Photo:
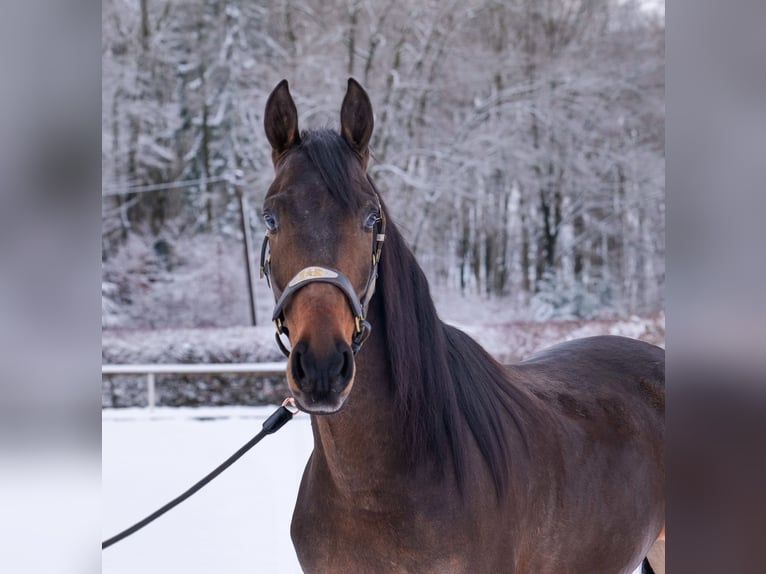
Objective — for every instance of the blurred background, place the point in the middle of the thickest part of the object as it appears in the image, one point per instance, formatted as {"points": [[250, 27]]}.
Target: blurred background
{"points": [[519, 145]]}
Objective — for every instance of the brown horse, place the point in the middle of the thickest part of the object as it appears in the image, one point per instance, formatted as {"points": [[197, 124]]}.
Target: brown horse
{"points": [[429, 456]]}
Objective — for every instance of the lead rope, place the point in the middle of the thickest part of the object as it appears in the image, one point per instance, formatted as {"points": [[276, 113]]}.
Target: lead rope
{"points": [[276, 421]]}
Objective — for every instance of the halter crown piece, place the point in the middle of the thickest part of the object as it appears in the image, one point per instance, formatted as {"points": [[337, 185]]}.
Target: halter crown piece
{"points": [[318, 274]]}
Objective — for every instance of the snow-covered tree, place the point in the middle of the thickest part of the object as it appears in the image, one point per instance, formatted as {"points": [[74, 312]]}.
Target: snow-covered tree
{"points": [[519, 145]]}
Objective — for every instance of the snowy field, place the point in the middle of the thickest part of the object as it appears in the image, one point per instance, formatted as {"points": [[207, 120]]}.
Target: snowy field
{"points": [[239, 523]]}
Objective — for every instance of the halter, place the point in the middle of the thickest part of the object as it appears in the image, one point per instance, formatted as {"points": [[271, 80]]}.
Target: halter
{"points": [[318, 274]]}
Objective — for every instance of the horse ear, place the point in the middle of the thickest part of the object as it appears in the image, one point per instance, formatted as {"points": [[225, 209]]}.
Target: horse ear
{"points": [[281, 120], [356, 121]]}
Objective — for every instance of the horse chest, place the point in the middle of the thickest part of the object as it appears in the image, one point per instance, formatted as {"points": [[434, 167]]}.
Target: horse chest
{"points": [[335, 536]]}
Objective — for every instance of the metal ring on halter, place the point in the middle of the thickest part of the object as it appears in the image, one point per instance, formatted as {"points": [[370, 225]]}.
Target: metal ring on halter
{"points": [[280, 344], [291, 402], [360, 337]]}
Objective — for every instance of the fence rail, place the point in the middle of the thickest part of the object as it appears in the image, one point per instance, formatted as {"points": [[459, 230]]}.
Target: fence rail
{"points": [[260, 369]]}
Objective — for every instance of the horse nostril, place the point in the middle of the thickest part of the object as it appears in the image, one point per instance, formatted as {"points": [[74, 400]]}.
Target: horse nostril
{"points": [[300, 372], [347, 368], [297, 361]]}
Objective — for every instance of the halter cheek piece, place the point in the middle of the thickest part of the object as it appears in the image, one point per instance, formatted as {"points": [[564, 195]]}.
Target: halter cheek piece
{"points": [[317, 274]]}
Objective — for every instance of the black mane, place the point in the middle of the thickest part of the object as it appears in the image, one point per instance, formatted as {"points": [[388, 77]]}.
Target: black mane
{"points": [[446, 386], [443, 379]]}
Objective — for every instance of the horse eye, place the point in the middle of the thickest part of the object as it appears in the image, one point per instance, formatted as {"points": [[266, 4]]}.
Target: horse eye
{"points": [[270, 221], [371, 220]]}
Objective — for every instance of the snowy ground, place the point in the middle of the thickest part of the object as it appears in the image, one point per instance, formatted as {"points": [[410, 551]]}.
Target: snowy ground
{"points": [[239, 523]]}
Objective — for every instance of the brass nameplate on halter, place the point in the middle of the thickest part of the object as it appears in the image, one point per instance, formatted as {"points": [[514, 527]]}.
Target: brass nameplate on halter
{"points": [[312, 273]]}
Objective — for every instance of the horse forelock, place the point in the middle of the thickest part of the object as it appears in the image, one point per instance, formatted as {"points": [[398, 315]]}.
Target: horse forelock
{"points": [[338, 167]]}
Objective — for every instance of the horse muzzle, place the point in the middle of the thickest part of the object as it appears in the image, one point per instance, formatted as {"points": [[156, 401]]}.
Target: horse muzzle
{"points": [[321, 382]]}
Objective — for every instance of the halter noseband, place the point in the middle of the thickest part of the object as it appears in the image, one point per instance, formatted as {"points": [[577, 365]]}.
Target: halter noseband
{"points": [[318, 274]]}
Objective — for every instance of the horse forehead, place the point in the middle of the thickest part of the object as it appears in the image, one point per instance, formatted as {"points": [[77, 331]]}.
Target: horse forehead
{"points": [[313, 218], [300, 188], [313, 211]]}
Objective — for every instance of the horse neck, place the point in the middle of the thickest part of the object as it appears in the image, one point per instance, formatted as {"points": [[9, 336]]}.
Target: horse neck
{"points": [[359, 448]]}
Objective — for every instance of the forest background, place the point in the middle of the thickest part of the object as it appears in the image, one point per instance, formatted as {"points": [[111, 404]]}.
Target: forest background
{"points": [[518, 144]]}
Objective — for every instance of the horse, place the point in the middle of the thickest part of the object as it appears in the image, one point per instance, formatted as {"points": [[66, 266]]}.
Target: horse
{"points": [[429, 455]]}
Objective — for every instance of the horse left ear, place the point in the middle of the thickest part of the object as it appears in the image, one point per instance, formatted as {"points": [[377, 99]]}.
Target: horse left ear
{"points": [[356, 121]]}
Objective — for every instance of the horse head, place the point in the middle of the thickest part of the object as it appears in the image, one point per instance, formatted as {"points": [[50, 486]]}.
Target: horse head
{"points": [[324, 226]]}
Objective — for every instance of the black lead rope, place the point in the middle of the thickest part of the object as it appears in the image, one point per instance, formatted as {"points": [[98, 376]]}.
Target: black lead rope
{"points": [[271, 425]]}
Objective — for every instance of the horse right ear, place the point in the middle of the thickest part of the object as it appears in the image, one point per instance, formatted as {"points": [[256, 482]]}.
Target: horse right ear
{"points": [[280, 121]]}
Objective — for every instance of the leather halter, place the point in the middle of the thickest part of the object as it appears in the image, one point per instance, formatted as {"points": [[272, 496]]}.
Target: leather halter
{"points": [[318, 274]]}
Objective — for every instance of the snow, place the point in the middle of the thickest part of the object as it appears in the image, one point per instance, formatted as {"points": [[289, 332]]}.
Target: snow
{"points": [[239, 523]]}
